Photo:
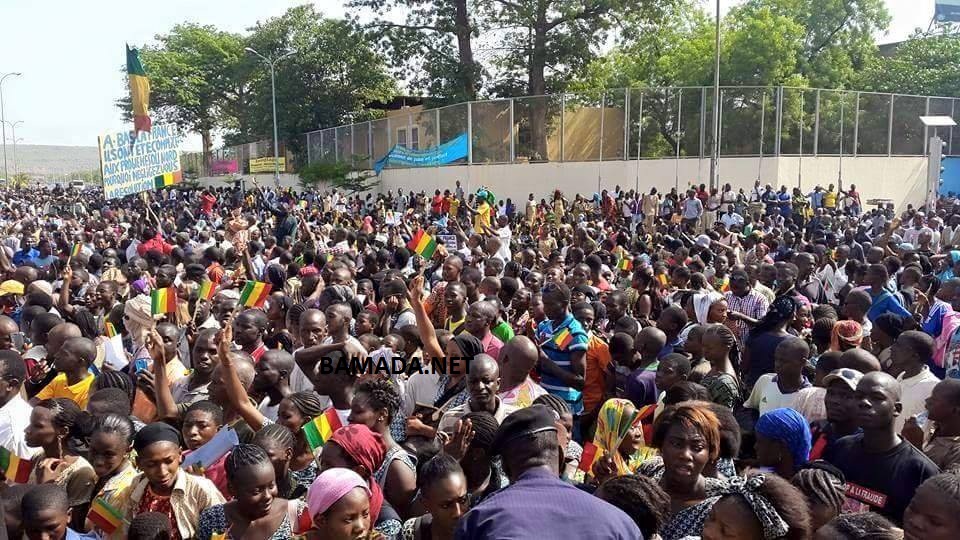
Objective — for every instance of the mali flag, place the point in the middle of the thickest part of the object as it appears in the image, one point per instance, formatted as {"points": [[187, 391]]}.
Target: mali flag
{"points": [[254, 294], [15, 468], [167, 179], [319, 430], [163, 301], [139, 91], [422, 244]]}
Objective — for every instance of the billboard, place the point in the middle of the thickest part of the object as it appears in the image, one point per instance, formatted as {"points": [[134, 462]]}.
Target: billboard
{"points": [[133, 163], [224, 166], [265, 165], [947, 10]]}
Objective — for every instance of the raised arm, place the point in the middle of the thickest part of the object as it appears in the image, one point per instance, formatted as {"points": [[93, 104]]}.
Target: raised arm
{"points": [[236, 393], [431, 346], [166, 406]]}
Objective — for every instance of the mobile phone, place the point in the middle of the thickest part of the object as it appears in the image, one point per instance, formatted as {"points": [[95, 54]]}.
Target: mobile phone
{"points": [[140, 365]]}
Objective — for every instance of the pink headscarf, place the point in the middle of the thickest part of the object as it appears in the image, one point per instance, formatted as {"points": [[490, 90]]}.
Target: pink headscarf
{"points": [[330, 486]]}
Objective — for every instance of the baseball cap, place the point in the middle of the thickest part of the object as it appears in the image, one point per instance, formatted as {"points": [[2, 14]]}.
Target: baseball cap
{"points": [[11, 286], [850, 377], [525, 422]]}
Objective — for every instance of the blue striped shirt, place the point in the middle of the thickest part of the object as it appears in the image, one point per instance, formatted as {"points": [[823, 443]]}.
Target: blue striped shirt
{"points": [[546, 332]]}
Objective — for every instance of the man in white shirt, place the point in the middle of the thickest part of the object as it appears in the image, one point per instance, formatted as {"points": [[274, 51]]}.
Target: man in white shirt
{"points": [[909, 355], [731, 218], [505, 235], [14, 411]]}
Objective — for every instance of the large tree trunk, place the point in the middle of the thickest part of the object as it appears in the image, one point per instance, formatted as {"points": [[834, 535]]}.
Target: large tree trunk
{"points": [[537, 84], [207, 143], [468, 68]]}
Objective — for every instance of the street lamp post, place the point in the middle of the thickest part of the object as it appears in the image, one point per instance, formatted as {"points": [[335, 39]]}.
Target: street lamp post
{"points": [[715, 158], [3, 126], [13, 133], [273, 92]]}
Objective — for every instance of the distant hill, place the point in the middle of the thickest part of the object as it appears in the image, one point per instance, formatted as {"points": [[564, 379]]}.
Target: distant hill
{"points": [[44, 160]]}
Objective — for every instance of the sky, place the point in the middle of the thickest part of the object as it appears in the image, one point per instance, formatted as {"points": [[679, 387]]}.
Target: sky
{"points": [[70, 54]]}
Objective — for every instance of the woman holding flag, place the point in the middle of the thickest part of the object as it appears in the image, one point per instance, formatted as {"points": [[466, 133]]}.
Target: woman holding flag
{"points": [[618, 447]]}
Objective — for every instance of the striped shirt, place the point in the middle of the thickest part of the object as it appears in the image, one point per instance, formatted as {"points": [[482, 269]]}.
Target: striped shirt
{"points": [[753, 305], [559, 343]]}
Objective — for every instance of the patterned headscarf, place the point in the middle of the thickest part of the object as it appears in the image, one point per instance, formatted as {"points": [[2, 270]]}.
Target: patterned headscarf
{"points": [[771, 522], [846, 335], [613, 424], [368, 450], [789, 427]]}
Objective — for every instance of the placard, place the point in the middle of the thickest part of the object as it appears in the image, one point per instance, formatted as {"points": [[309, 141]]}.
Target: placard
{"points": [[132, 164], [265, 164]]}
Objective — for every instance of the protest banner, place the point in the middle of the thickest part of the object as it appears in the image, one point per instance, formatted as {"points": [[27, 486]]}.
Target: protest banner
{"points": [[265, 165], [224, 166], [134, 164]]}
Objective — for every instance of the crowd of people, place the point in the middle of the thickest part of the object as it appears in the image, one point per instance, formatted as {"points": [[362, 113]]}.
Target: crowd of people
{"points": [[716, 364]]}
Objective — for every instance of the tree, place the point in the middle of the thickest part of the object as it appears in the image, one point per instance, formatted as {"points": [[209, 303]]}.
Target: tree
{"points": [[340, 175], [838, 35], [194, 79], [332, 76], [433, 47], [546, 42], [759, 48], [926, 65]]}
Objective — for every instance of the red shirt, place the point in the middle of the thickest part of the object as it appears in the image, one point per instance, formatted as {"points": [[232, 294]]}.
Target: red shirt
{"points": [[436, 204], [207, 202], [154, 244]]}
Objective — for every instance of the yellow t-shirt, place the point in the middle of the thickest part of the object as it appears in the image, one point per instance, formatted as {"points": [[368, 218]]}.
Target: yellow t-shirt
{"points": [[454, 206], [482, 218], [830, 199], [58, 388]]}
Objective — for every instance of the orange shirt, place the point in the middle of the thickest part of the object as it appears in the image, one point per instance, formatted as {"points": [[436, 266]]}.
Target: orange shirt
{"points": [[594, 385]]}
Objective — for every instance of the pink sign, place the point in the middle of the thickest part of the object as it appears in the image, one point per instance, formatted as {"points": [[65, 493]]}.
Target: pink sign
{"points": [[223, 166]]}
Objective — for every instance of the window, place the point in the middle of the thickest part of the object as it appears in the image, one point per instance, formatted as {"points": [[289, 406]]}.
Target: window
{"points": [[402, 137], [414, 138]]}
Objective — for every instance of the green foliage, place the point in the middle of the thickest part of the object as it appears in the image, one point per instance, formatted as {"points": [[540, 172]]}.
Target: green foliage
{"points": [[194, 72], [924, 65], [335, 73], [339, 175]]}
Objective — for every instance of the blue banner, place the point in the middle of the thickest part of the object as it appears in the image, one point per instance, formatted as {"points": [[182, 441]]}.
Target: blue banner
{"points": [[447, 152]]}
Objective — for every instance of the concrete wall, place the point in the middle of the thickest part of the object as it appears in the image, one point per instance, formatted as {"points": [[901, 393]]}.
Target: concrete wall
{"points": [[901, 179]]}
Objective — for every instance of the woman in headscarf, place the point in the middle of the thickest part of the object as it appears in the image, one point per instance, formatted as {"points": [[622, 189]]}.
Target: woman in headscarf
{"points": [[764, 339], [340, 505], [357, 448], [710, 307], [846, 335], [759, 507], [620, 435], [783, 441], [952, 264], [138, 321]]}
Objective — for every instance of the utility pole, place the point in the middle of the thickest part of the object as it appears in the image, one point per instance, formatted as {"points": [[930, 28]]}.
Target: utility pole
{"points": [[273, 90]]}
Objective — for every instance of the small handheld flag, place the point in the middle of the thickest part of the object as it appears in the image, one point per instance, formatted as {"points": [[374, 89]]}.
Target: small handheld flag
{"points": [[422, 244], [208, 289], [562, 339], [16, 469], [319, 430], [107, 518], [254, 294], [167, 179], [110, 329], [75, 250], [591, 453], [163, 301], [626, 264]]}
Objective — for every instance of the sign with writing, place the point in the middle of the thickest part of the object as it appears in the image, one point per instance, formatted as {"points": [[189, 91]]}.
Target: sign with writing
{"points": [[448, 152], [224, 166], [134, 164], [265, 164], [448, 240]]}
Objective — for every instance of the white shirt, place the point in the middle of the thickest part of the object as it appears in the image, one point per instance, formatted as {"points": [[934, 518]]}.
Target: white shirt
{"points": [[505, 235], [14, 419], [766, 395], [268, 410], [914, 392]]}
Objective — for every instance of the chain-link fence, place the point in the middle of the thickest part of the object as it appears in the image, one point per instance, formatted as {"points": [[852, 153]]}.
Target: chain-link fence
{"points": [[645, 123]]}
